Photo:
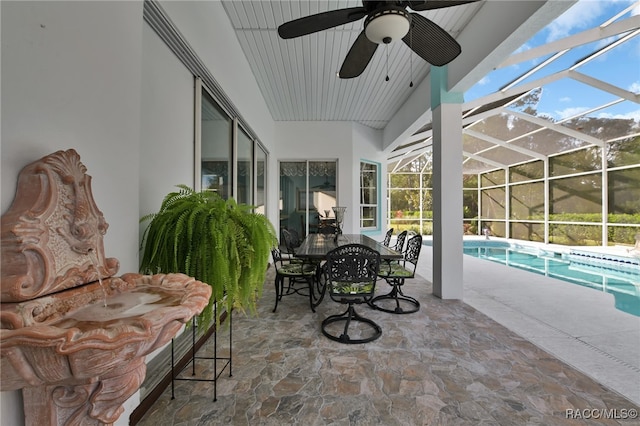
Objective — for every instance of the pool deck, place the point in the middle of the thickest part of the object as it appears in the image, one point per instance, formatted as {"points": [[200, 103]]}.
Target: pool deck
{"points": [[579, 325]]}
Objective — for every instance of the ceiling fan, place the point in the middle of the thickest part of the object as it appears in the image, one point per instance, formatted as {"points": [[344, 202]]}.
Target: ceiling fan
{"points": [[386, 21]]}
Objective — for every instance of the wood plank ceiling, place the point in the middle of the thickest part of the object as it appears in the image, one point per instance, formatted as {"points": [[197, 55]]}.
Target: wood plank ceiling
{"points": [[298, 78]]}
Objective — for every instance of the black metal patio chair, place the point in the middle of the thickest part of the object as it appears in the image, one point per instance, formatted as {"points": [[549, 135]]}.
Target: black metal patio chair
{"points": [[402, 237], [387, 237], [291, 240], [295, 273], [395, 273], [351, 273]]}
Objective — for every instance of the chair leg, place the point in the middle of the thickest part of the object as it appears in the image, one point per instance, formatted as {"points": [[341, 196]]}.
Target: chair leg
{"points": [[310, 281], [320, 286], [397, 296], [344, 337], [277, 284], [348, 316]]}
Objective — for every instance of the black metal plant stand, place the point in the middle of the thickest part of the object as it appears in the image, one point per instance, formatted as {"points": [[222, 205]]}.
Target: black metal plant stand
{"points": [[175, 374]]}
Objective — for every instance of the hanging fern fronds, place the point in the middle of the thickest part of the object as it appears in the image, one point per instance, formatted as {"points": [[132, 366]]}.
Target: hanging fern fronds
{"points": [[216, 241]]}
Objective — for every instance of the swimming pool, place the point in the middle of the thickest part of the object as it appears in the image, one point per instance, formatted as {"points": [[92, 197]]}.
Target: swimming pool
{"points": [[617, 275]]}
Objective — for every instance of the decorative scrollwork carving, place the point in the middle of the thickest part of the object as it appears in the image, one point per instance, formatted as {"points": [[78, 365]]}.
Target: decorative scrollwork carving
{"points": [[106, 401], [52, 235]]}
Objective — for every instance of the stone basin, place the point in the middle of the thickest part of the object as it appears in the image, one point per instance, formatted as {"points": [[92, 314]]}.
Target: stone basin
{"points": [[71, 337]]}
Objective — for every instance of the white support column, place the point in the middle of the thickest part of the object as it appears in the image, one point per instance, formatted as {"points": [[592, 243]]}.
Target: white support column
{"points": [[447, 187]]}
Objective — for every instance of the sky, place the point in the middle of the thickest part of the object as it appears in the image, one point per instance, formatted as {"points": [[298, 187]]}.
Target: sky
{"points": [[565, 98]]}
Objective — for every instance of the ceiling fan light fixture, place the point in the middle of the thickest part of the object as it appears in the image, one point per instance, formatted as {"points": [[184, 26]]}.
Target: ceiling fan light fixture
{"points": [[387, 25]]}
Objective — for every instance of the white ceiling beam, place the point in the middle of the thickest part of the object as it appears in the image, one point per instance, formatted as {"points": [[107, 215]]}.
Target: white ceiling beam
{"points": [[484, 160], [497, 30], [412, 148], [533, 70], [504, 144], [603, 85], [584, 37], [519, 20], [496, 96], [557, 128], [468, 118], [407, 159], [417, 136]]}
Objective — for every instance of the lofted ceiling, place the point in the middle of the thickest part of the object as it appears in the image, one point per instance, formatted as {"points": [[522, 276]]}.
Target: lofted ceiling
{"points": [[298, 77]]}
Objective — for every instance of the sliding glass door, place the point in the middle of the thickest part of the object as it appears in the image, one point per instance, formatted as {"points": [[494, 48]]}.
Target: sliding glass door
{"points": [[307, 194]]}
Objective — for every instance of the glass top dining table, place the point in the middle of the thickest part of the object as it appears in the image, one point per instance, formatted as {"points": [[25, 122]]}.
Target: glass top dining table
{"points": [[316, 246]]}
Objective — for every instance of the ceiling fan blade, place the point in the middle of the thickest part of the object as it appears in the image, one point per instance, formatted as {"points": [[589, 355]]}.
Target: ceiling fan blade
{"points": [[436, 4], [358, 57], [430, 42], [320, 21]]}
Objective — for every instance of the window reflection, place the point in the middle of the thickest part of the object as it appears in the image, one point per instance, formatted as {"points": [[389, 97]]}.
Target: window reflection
{"points": [[245, 168], [261, 180], [216, 133], [368, 195], [307, 195]]}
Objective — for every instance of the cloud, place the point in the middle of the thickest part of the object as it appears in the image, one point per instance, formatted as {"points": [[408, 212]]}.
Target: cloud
{"points": [[572, 111], [581, 16], [565, 99], [522, 48], [634, 87], [631, 115], [569, 112], [484, 80], [606, 41]]}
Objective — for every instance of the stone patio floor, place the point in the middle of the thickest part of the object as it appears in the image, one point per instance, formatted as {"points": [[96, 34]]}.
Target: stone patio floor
{"points": [[447, 364]]}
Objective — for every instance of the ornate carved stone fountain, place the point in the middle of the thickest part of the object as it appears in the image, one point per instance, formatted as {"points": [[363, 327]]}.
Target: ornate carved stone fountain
{"points": [[73, 337]]}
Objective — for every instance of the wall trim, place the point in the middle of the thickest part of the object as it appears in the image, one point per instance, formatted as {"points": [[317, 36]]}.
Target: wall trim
{"points": [[156, 17]]}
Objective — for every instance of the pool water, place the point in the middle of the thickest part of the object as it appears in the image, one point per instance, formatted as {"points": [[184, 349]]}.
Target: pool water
{"points": [[620, 280]]}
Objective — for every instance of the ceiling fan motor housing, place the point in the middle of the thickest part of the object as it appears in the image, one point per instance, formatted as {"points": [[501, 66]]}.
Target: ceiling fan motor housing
{"points": [[387, 24]]}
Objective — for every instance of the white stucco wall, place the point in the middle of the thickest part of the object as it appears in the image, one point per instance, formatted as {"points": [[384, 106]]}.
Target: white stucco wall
{"points": [[304, 140], [207, 28], [345, 141], [71, 79], [167, 127], [366, 145], [94, 77], [62, 90]]}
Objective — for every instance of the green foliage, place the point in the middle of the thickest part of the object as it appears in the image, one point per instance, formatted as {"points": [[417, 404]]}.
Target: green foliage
{"points": [[216, 241], [414, 225]]}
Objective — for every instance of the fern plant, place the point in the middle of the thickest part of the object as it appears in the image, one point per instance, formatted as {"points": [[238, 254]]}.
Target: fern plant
{"points": [[219, 242]]}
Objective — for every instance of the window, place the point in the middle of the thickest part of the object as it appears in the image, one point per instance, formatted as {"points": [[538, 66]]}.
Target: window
{"points": [[244, 166], [307, 195], [229, 160], [215, 129], [261, 180], [369, 175]]}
